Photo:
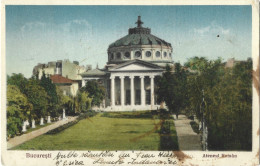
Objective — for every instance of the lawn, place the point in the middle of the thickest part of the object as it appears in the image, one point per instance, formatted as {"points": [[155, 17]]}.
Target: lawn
{"points": [[109, 131]]}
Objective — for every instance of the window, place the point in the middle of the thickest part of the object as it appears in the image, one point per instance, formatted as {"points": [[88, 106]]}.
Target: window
{"points": [[148, 54], [170, 55], [127, 55], [118, 55], [138, 54], [165, 54], [158, 54], [111, 56]]}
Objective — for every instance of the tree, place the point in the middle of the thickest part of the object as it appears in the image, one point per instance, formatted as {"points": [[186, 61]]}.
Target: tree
{"points": [[164, 88], [172, 88], [95, 91], [64, 101], [50, 89], [228, 98], [206, 76], [18, 80], [38, 97], [84, 102], [18, 110], [197, 63], [179, 88]]}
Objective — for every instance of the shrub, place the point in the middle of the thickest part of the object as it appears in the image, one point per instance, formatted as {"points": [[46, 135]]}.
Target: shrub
{"points": [[168, 138], [67, 125], [129, 115], [63, 127]]}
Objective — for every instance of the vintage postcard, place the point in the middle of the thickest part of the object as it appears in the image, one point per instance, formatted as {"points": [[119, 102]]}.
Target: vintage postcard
{"points": [[129, 82]]}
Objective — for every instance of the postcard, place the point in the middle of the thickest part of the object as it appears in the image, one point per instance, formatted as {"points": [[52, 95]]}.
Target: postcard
{"points": [[129, 82]]}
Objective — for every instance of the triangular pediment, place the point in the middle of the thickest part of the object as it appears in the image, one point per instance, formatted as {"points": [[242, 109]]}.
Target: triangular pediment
{"points": [[136, 65]]}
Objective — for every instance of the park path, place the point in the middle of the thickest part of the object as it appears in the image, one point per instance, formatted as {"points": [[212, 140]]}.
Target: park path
{"points": [[26, 137], [187, 138]]}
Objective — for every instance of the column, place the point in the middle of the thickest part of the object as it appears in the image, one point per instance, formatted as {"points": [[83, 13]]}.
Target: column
{"points": [[122, 90], [131, 54], [142, 91], [142, 54], [132, 90], [153, 54], [152, 90], [112, 91]]}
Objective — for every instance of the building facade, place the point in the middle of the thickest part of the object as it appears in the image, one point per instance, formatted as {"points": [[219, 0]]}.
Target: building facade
{"points": [[63, 73], [134, 61]]}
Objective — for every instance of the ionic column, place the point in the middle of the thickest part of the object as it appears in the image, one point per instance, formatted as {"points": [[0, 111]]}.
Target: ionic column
{"points": [[112, 91], [122, 91], [142, 91], [132, 90], [152, 90]]}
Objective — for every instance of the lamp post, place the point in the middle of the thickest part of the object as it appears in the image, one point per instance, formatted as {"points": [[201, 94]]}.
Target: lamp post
{"points": [[204, 124]]}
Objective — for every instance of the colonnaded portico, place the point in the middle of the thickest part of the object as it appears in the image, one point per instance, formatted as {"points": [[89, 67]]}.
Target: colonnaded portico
{"points": [[133, 91], [132, 86]]}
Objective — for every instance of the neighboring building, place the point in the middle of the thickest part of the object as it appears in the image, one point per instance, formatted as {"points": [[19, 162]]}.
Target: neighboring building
{"points": [[64, 68], [133, 63], [49, 69], [62, 71], [232, 62], [68, 86]]}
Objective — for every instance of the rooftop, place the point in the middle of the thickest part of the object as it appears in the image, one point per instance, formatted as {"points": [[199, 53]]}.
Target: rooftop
{"points": [[139, 36], [58, 79], [94, 72]]}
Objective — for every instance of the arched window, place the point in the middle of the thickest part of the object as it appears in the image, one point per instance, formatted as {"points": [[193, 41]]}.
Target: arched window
{"points": [[138, 54], [170, 55], [118, 55], [111, 56], [127, 55], [148, 53], [158, 54]]}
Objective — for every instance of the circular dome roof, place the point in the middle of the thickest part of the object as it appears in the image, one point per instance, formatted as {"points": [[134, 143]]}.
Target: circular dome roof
{"points": [[139, 36]]}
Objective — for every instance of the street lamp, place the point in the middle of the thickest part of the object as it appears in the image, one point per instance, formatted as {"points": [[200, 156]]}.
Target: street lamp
{"points": [[204, 124]]}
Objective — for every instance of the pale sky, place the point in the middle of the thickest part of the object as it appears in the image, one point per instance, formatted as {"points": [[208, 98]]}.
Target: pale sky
{"points": [[39, 34]]}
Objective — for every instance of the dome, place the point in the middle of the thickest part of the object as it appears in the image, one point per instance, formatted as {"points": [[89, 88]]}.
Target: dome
{"points": [[139, 36], [140, 44]]}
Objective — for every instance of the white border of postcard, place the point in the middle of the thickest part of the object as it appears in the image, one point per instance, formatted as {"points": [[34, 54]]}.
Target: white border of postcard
{"points": [[12, 157]]}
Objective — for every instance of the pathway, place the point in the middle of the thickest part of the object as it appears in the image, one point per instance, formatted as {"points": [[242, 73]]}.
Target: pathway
{"points": [[187, 138], [26, 137]]}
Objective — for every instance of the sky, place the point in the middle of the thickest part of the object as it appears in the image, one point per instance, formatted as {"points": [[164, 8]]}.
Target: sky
{"points": [[39, 34]]}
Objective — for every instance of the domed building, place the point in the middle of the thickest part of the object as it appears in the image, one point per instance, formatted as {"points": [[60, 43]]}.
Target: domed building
{"points": [[142, 45], [133, 63]]}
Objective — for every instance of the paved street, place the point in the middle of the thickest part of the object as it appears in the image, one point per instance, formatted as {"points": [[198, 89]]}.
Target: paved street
{"points": [[188, 139], [26, 137]]}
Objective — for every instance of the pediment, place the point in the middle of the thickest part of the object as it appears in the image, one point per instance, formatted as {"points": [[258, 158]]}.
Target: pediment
{"points": [[136, 66]]}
